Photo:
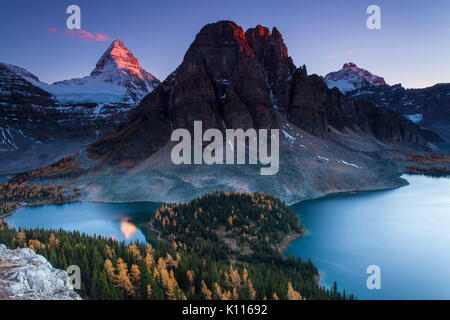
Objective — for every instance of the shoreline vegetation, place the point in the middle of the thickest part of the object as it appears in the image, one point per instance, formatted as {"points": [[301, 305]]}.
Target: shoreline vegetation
{"points": [[14, 195], [218, 246], [18, 191], [430, 164], [237, 221]]}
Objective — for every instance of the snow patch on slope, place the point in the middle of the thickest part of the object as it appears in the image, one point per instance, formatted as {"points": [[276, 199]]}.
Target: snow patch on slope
{"points": [[86, 90], [414, 117]]}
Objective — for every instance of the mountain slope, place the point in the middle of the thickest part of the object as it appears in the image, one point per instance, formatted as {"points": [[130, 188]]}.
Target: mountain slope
{"points": [[428, 107], [235, 79], [40, 123]]}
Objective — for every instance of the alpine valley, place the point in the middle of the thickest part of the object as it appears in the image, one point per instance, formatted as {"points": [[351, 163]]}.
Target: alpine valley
{"points": [[114, 126]]}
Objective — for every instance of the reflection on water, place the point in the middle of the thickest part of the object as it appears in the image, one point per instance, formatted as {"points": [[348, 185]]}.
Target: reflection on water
{"points": [[128, 229], [112, 220]]}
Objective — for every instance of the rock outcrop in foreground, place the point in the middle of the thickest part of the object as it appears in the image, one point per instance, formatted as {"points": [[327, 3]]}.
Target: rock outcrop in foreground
{"points": [[24, 275]]}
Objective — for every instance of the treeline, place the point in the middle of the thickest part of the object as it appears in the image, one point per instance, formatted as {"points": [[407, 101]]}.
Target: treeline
{"points": [[434, 171], [429, 158], [62, 169], [13, 193], [7, 207], [430, 164]]}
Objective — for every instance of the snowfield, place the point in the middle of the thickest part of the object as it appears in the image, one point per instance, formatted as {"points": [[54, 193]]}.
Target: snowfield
{"points": [[414, 117], [84, 90]]}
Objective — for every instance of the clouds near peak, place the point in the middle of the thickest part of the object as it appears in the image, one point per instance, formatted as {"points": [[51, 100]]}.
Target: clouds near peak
{"points": [[335, 55], [81, 34]]}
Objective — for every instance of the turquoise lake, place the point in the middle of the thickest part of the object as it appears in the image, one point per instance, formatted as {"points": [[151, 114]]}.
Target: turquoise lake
{"points": [[405, 232]]}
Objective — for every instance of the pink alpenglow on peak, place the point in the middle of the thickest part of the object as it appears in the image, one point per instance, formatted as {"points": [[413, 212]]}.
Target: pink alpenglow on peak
{"points": [[118, 57], [351, 77], [117, 78]]}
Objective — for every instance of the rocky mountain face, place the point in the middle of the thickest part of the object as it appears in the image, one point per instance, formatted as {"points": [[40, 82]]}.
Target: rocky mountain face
{"points": [[16, 89], [25, 275], [41, 123], [428, 107], [351, 77], [235, 79]]}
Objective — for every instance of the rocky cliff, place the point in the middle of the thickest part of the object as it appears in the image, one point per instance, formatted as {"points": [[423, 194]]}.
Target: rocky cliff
{"points": [[25, 275]]}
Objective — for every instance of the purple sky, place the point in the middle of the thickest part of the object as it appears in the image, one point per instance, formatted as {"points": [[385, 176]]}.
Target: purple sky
{"points": [[413, 46]]}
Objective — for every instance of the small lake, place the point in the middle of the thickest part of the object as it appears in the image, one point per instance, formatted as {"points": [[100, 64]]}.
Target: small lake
{"points": [[405, 231], [114, 220]]}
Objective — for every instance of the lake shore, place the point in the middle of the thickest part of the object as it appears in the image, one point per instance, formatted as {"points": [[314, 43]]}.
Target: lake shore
{"points": [[288, 240], [349, 192], [36, 204]]}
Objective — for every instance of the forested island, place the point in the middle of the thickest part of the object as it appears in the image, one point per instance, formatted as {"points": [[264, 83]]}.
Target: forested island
{"points": [[218, 246]]}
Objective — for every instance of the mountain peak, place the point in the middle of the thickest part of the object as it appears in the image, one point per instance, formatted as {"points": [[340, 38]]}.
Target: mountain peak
{"points": [[19, 71], [118, 58], [117, 43], [349, 65], [351, 77], [276, 33], [222, 33], [117, 78], [116, 47]]}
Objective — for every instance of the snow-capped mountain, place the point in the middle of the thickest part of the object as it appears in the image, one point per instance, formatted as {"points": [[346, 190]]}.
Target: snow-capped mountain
{"points": [[351, 77], [117, 78], [40, 123], [428, 107], [35, 129]]}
